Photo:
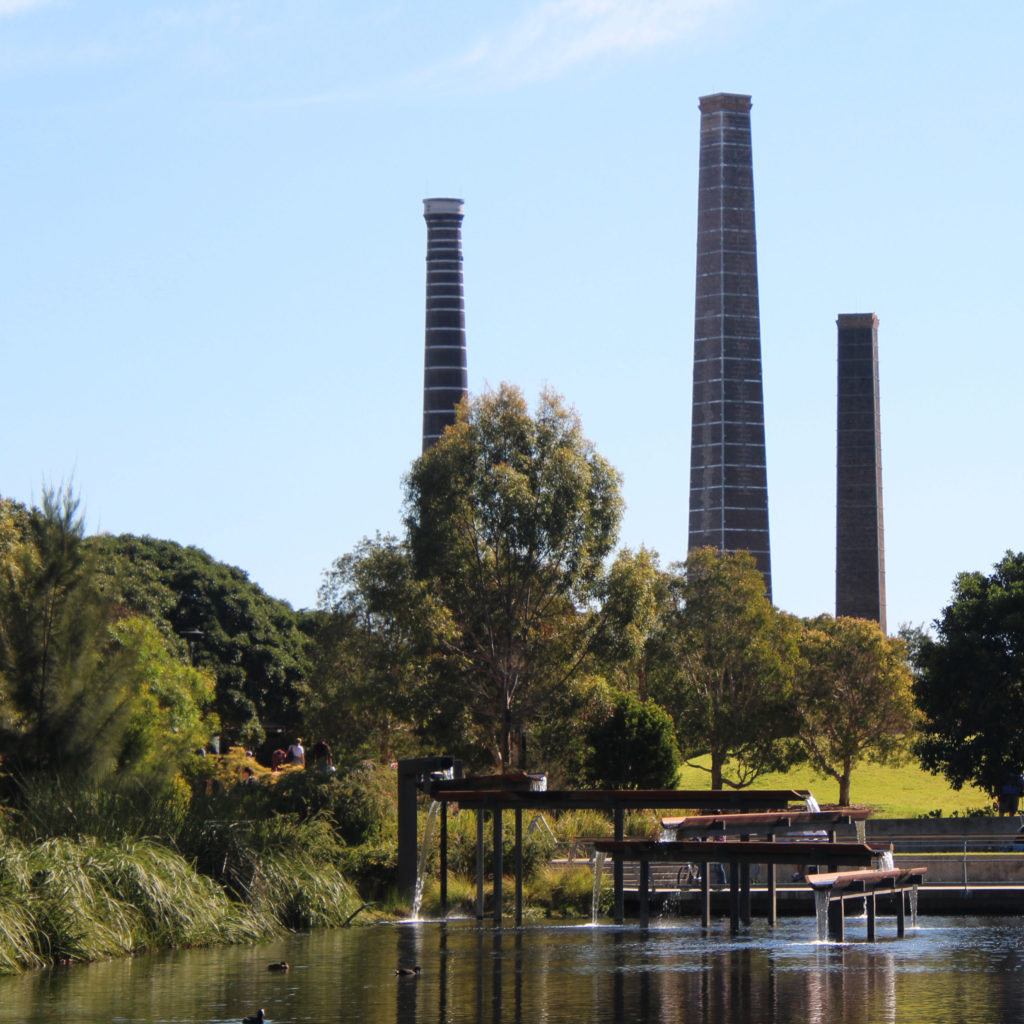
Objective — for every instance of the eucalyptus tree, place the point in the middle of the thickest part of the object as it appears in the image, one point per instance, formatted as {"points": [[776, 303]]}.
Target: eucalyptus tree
{"points": [[381, 632], [633, 639], [510, 517], [730, 685]]}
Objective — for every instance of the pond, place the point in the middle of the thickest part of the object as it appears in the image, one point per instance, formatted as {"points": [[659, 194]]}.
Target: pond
{"points": [[949, 969]]}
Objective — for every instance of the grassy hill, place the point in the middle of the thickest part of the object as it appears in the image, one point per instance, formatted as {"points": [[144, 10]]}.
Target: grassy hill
{"points": [[905, 792]]}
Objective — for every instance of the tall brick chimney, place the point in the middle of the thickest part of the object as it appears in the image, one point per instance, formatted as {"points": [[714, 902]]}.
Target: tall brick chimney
{"points": [[860, 544], [728, 472], [444, 356]]}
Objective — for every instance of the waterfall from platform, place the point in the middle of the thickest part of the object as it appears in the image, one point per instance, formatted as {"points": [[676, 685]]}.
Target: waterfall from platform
{"points": [[421, 866], [595, 898], [821, 913]]}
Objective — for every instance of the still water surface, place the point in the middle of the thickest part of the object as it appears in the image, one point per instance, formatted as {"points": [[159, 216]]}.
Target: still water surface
{"points": [[947, 969]]}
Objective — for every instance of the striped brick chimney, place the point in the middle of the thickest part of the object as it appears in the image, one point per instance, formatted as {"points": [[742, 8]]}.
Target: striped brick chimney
{"points": [[444, 357]]}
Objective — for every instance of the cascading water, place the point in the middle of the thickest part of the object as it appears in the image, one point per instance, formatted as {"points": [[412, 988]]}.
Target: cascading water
{"points": [[595, 897], [862, 830], [421, 867], [821, 913], [885, 861], [913, 906], [810, 804]]}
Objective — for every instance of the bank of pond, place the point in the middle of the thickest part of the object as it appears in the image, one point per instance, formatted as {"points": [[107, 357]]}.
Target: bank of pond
{"points": [[73, 900]]}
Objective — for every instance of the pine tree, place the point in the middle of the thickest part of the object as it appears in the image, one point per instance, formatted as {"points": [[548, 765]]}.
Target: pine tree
{"points": [[66, 688]]}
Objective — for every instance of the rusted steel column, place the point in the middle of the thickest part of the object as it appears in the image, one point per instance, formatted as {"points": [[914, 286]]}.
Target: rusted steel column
{"points": [[617, 882], [498, 866], [745, 914], [480, 864], [444, 859], [734, 897], [519, 866], [705, 895], [836, 921]]}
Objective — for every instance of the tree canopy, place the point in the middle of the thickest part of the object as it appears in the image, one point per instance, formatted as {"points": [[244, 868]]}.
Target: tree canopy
{"points": [[85, 692], [970, 682], [730, 686], [380, 635], [217, 618], [855, 698], [510, 517], [634, 747], [633, 640]]}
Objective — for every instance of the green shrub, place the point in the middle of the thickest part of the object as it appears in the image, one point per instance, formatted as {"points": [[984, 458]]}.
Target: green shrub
{"points": [[366, 808], [634, 747], [568, 891]]}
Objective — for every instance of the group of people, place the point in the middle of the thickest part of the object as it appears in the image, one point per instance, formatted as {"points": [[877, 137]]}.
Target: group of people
{"points": [[320, 756]]}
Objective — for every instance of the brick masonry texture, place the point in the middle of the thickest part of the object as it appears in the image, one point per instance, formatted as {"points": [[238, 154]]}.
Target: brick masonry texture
{"points": [[860, 547], [728, 475]]}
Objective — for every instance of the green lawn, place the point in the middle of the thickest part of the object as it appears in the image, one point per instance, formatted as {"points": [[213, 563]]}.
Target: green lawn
{"points": [[905, 792]]}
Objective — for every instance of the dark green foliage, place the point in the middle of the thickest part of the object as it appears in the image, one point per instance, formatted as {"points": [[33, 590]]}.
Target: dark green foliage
{"points": [[380, 633], [251, 642], [118, 807], [633, 642], [634, 747], [970, 682], [560, 738]]}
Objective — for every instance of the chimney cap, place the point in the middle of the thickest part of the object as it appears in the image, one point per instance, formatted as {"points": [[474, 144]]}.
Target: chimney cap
{"points": [[448, 206], [857, 320], [725, 101]]}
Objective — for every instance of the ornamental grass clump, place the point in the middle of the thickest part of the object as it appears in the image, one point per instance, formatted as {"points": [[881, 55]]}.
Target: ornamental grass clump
{"points": [[76, 917], [17, 925], [176, 905], [68, 900]]}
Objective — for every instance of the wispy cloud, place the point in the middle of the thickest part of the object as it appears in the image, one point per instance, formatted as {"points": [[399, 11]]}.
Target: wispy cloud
{"points": [[557, 35], [20, 6]]}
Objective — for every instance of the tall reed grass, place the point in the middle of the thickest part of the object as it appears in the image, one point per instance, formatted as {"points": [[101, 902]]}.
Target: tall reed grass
{"points": [[67, 900], [79, 879]]}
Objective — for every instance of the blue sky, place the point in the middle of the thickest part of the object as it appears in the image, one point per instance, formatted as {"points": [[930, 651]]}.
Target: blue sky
{"points": [[212, 276]]}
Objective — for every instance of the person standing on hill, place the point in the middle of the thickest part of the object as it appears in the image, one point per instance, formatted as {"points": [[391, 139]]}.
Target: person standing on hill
{"points": [[296, 753]]}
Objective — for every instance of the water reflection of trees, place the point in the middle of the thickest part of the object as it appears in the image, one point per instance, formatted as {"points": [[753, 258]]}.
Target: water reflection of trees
{"points": [[572, 974]]}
